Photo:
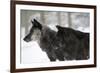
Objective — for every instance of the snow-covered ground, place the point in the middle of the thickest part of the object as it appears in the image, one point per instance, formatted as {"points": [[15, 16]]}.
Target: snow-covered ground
{"points": [[32, 53]]}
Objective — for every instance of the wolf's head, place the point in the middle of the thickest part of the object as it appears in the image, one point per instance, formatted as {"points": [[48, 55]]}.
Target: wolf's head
{"points": [[35, 31]]}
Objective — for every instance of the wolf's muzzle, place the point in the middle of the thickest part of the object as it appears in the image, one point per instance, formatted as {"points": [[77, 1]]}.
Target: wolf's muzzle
{"points": [[27, 39]]}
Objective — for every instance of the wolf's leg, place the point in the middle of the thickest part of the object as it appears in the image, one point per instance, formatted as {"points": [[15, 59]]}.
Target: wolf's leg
{"points": [[59, 55], [51, 56]]}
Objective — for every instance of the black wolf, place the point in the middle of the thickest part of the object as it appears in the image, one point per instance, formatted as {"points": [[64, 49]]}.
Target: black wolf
{"points": [[75, 44], [65, 44]]}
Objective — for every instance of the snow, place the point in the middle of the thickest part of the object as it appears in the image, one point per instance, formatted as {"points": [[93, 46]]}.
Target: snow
{"points": [[32, 53], [53, 27], [86, 29]]}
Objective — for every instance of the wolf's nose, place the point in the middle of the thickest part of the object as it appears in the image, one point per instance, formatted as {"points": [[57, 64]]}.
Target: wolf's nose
{"points": [[26, 40]]}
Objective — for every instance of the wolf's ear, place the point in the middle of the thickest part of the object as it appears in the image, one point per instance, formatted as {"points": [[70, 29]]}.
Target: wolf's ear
{"points": [[36, 24], [32, 21], [35, 20], [59, 27]]}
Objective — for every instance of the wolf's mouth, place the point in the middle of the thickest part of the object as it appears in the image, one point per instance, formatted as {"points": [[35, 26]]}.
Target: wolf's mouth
{"points": [[27, 40]]}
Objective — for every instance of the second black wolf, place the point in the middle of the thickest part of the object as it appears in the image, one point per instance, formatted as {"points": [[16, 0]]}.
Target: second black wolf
{"points": [[74, 44]]}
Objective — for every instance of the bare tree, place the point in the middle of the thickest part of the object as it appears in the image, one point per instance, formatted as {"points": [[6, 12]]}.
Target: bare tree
{"points": [[59, 18], [42, 17], [69, 19]]}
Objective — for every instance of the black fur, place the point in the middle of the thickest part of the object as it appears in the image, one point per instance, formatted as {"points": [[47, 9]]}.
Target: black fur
{"points": [[66, 44], [75, 44]]}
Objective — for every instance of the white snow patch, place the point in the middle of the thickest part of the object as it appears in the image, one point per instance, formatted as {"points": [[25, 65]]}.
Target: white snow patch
{"points": [[32, 53], [53, 27], [83, 29]]}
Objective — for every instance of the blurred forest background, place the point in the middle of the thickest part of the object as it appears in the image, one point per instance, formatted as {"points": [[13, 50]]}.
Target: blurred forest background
{"points": [[75, 20]]}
